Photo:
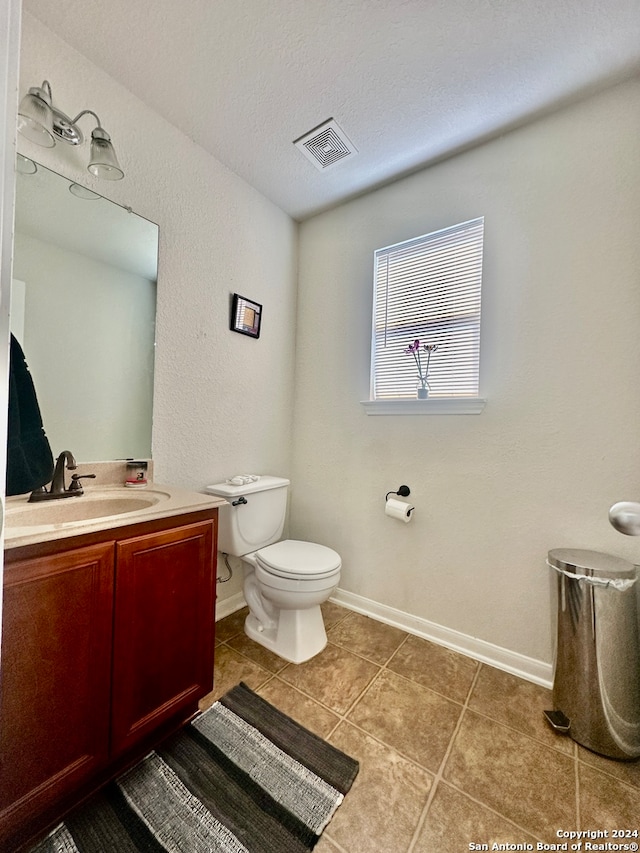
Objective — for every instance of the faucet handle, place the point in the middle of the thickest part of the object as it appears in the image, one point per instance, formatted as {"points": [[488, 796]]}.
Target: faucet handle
{"points": [[76, 485]]}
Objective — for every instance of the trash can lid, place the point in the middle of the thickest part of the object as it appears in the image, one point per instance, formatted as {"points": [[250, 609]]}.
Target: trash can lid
{"points": [[593, 563]]}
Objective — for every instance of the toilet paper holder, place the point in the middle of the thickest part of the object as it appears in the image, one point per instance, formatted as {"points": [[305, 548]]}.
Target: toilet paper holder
{"points": [[403, 491]]}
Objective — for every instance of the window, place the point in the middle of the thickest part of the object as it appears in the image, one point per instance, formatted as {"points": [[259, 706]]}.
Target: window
{"points": [[428, 289]]}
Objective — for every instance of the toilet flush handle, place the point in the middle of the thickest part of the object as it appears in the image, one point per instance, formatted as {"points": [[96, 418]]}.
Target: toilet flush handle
{"points": [[241, 500]]}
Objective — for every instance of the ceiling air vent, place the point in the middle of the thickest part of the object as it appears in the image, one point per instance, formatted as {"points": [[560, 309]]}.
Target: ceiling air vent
{"points": [[326, 145]]}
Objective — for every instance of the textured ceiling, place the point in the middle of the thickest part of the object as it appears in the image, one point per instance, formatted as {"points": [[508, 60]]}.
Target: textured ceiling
{"points": [[409, 81]]}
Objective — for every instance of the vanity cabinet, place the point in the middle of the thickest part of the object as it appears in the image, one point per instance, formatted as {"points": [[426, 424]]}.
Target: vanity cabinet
{"points": [[107, 646]]}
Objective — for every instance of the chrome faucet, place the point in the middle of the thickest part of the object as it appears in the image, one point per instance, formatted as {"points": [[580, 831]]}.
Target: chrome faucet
{"points": [[58, 488]]}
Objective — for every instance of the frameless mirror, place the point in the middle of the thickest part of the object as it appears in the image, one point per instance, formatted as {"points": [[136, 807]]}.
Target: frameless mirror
{"points": [[83, 307]]}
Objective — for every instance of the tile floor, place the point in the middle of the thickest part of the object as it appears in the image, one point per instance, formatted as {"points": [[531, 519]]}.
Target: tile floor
{"points": [[453, 753]]}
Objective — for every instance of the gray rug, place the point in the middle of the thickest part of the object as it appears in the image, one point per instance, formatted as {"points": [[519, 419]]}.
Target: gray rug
{"points": [[241, 777]]}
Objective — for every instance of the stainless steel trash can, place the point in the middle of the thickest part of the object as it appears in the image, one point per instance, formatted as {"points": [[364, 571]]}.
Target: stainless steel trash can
{"points": [[596, 687]]}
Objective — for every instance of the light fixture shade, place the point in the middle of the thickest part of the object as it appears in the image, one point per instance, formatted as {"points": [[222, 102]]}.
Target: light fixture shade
{"points": [[25, 166], [83, 192], [41, 122], [103, 162], [35, 118]]}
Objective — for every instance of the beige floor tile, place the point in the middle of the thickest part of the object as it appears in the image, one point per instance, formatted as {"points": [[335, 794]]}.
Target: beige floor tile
{"points": [[435, 667], [382, 809], [516, 703], [367, 637], [408, 717], [508, 778], [299, 707], [231, 625], [625, 771], [520, 778], [333, 613], [326, 846], [454, 822], [263, 657], [606, 803], [231, 668], [335, 677]]}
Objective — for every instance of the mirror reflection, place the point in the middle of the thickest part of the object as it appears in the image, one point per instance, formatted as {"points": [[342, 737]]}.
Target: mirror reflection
{"points": [[83, 308]]}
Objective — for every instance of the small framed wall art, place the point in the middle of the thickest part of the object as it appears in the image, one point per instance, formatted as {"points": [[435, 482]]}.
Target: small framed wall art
{"points": [[245, 316]]}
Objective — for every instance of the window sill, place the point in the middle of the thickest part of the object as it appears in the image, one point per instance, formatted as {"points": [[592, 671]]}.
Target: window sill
{"points": [[434, 406]]}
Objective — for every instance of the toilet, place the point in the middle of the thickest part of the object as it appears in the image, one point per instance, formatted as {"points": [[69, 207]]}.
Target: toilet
{"points": [[285, 582]]}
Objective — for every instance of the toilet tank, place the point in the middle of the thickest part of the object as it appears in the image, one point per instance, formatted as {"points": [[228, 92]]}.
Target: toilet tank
{"points": [[254, 522]]}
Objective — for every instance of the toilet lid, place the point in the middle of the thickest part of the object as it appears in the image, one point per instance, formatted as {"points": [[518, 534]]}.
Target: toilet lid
{"points": [[293, 558]]}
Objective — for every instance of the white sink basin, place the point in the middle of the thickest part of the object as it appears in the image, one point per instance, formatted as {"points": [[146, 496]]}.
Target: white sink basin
{"points": [[81, 508], [99, 508]]}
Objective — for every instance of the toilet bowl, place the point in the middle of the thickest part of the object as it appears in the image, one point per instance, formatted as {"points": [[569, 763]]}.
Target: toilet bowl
{"points": [[284, 586], [286, 581]]}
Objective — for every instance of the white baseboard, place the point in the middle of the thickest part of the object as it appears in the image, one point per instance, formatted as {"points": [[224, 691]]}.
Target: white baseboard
{"points": [[227, 606], [525, 667]]}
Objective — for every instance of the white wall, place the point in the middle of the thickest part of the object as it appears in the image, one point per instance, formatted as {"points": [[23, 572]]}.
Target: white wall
{"points": [[559, 440], [222, 401]]}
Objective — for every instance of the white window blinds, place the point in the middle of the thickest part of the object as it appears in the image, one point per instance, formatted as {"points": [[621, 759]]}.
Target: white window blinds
{"points": [[428, 289]]}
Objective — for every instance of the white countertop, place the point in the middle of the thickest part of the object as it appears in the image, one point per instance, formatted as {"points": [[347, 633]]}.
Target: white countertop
{"points": [[108, 507]]}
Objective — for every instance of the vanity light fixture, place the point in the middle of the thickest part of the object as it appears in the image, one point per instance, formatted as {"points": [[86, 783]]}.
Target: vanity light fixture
{"points": [[43, 124], [25, 166], [83, 192]]}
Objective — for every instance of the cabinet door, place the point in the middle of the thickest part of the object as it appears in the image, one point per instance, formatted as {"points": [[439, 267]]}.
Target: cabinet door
{"points": [[56, 662], [163, 629]]}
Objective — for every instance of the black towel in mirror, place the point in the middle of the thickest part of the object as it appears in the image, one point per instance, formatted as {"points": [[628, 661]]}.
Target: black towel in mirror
{"points": [[29, 458]]}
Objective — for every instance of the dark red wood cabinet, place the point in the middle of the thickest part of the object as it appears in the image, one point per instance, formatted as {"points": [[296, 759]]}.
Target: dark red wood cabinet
{"points": [[107, 646], [55, 673], [163, 616]]}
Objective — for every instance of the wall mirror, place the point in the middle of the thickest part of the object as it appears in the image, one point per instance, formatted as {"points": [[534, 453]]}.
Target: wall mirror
{"points": [[83, 307]]}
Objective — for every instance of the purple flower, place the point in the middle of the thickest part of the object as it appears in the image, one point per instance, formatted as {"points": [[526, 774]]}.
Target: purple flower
{"points": [[414, 350]]}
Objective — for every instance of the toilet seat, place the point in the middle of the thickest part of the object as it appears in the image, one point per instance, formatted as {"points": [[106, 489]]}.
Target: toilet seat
{"points": [[293, 558]]}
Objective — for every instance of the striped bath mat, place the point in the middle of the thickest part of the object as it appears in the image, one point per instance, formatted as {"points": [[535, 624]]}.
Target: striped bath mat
{"points": [[241, 777]]}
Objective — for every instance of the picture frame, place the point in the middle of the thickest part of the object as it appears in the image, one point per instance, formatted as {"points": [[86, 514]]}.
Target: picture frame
{"points": [[246, 316]]}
